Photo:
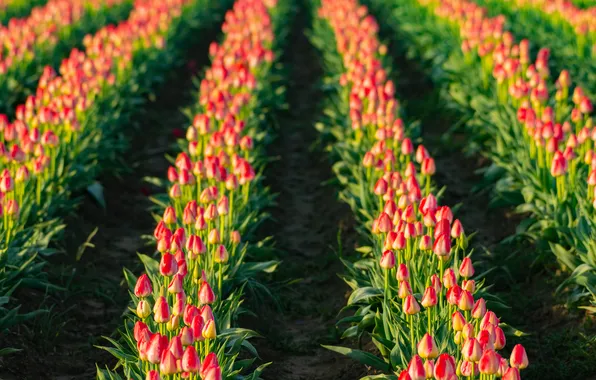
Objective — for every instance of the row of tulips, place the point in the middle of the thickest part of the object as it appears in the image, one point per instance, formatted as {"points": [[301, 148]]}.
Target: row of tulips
{"points": [[414, 290], [183, 323], [568, 52], [567, 15], [538, 131], [44, 37], [73, 126], [16, 8]]}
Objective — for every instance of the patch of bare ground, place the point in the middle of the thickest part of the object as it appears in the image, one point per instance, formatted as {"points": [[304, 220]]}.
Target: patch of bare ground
{"points": [[305, 228]]}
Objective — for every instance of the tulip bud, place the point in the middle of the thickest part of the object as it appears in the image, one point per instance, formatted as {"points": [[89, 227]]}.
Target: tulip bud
{"points": [[457, 229], [186, 336], [176, 285], [479, 309], [209, 331], [175, 347], [466, 269], [489, 363], [468, 331], [442, 246], [429, 368], [404, 290], [427, 349], [190, 360], [167, 365], [157, 345], [425, 243], [449, 279], [384, 223], [169, 215], [387, 260], [454, 294], [153, 375], [466, 301], [213, 237], [143, 286], [213, 373], [512, 374], [161, 310], [197, 326], [404, 375], [428, 166], [519, 358], [458, 321], [206, 295], [430, 297], [411, 306], [168, 265], [206, 312], [221, 255], [500, 339], [472, 350], [143, 309], [469, 285], [402, 273], [445, 367], [416, 368]]}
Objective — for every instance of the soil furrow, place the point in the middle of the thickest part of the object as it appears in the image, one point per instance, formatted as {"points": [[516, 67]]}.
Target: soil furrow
{"points": [[305, 228]]}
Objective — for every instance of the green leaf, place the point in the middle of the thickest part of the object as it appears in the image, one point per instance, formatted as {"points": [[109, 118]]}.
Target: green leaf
{"points": [[96, 191], [365, 358], [365, 293], [8, 351]]}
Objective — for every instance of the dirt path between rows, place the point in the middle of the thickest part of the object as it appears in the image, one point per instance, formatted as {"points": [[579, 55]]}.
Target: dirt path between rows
{"points": [[61, 345], [306, 225]]}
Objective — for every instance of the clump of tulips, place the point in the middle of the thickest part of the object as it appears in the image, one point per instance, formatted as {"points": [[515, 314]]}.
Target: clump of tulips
{"points": [[561, 12], [64, 133], [414, 290], [547, 147], [16, 8], [187, 301], [44, 37]]}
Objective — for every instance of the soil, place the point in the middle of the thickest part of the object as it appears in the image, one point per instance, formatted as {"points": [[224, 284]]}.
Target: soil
{"points": [[61, 344], [305, 229]]}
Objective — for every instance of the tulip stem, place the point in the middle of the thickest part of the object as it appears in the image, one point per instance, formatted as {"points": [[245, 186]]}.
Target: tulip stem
{"points": [[220, 281], [429, 320], [412, 334]]}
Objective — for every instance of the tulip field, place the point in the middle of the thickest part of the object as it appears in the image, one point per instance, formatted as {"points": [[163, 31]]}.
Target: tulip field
{"points": [[300, 190]]}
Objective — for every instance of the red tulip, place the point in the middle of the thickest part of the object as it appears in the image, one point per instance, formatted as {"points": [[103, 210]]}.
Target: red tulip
{"points": [[445, 367], [143, 287], [206, 295], [161, 310], [387, 260], [427, 349], [416, 368], [466, 269], [519, 358], [411, 306], [157, 345], [489, 363], [429, 299], [190, 360], [152, 375], [168, 265]]}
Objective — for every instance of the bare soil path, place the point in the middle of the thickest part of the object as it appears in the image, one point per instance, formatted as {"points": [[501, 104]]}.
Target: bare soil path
{"points": [[305, 228]]}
